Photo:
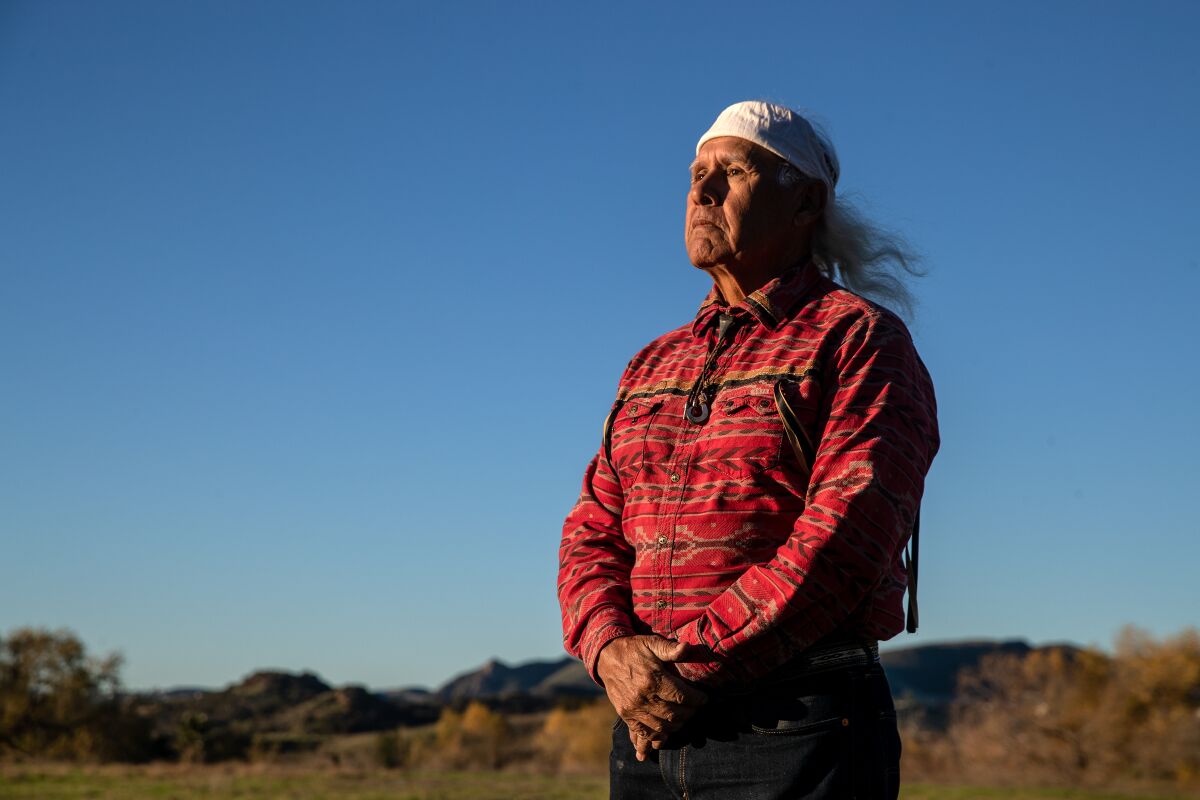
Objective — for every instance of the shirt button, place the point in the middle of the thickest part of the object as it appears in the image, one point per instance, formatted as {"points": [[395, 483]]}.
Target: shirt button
{"points": [[674, 477], [662, 540], [661, 604]]}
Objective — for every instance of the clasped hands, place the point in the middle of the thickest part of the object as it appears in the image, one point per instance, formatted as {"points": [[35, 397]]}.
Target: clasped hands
{"points": [[645, 688]]}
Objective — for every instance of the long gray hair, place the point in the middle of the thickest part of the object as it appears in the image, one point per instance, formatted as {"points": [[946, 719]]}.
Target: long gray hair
{"points": [[865, 258]]}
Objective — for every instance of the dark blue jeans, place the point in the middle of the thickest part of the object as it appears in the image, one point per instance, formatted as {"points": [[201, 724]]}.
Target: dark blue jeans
{"points": [[826, 736]]}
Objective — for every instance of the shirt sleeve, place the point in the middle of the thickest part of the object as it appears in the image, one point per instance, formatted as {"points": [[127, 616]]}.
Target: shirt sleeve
{"points": [[594, 563], [868, 475]]}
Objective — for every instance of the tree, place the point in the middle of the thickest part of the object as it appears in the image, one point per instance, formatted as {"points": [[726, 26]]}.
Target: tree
{"points": [[56, 701]]}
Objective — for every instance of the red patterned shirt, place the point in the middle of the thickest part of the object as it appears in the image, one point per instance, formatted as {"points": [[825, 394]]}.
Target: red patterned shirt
{"points": [[776, 519]]}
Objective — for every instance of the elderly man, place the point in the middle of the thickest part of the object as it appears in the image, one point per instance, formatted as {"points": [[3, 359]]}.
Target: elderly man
{"points": [[738, 549]]}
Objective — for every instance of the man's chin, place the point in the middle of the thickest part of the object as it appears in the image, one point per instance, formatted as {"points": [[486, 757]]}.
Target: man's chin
{"points": [[704, 255]]}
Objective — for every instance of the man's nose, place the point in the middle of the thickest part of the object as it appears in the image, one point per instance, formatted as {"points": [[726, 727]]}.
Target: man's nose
{"points": [[705, 191]]}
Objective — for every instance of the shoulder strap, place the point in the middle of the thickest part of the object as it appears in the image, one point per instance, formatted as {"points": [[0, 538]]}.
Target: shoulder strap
{"points": [[911, 551], [606, 434]]}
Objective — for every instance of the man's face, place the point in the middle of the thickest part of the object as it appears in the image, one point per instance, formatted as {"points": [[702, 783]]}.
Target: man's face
{"points": [[738, 215]]}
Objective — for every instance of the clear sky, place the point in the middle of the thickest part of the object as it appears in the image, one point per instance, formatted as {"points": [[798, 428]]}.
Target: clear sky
{"points": [[310, 313]]}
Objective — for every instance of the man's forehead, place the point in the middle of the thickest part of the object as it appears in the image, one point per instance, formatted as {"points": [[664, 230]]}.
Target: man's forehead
{"points": [[733, 148]]}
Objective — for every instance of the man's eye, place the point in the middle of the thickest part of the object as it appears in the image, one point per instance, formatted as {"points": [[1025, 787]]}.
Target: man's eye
{"points": [[734, 171], [697, 176]]}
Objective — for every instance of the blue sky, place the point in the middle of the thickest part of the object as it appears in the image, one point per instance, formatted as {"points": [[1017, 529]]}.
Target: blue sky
{"points": [[311, 312]]}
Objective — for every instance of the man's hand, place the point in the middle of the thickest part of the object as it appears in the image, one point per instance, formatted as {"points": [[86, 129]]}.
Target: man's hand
{"points": [[652, 699]]}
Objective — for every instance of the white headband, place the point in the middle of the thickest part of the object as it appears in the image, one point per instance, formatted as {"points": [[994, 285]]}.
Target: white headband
{"points": [[782, 131]]}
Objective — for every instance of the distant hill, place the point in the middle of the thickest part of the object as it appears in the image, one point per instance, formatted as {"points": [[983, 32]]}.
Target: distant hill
{"points": [[270, 704], [350, 709], [495, 679], [413, 695], [928, 673], [265, 693], [570, 679]]}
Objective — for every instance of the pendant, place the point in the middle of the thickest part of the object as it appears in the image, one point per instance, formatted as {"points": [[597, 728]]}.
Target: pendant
{"points": [[697, 412]]}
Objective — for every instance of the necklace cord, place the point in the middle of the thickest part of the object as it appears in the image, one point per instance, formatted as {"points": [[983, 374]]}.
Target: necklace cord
{"points": [[696, 409]]}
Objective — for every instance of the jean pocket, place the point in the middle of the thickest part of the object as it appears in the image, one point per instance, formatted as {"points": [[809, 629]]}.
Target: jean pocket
{"points": [[799, 715]]}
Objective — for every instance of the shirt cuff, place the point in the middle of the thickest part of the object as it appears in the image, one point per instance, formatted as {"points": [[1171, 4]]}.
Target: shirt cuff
{"points": [[705, 673], [601, 631], [693, 633], [702, 674]]}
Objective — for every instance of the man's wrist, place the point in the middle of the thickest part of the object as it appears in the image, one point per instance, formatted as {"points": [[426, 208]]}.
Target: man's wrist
{"points": [[598, 643]]}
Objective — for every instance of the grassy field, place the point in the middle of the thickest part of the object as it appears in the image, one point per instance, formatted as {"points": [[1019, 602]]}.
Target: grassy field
{"points": [[275, 783], [195, 783]]}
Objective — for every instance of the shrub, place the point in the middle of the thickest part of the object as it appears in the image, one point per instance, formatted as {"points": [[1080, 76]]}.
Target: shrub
{"points": [[390, 750], [578, 740], [1080, 716]]}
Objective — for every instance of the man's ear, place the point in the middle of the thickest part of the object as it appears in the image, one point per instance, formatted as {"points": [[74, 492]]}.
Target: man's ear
{"points": [[810, 204]]}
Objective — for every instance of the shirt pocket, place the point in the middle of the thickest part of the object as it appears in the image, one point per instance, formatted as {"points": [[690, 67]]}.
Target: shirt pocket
{"points": [[743, 436], [631, 430]]}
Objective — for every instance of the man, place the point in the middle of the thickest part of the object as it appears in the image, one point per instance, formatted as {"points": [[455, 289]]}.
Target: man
{"points": [[737, 550]]}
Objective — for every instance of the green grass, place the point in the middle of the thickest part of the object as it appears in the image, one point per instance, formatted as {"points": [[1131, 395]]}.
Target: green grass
{"points": [[275, 783]]}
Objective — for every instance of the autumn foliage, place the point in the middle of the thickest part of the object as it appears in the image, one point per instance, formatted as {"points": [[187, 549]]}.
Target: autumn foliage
{"points": [[577, 740], [1075, 716]]}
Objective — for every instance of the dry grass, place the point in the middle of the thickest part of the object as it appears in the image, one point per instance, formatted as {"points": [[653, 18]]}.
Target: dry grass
{"points": [[275, 782], [279, 782]]}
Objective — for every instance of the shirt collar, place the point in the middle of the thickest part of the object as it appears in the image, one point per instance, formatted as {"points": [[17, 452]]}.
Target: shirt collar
{"points": [[770, 305]]}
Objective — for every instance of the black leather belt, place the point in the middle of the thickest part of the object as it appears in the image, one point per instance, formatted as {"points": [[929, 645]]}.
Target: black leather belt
{"points": [[817, 660]]}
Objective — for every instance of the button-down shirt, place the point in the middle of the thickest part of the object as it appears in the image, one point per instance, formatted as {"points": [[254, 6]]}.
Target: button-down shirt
{"points": [[780, 519]]}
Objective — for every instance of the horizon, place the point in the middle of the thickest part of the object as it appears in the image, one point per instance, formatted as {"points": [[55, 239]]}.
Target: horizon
{"points": [[889, 646], [313, 312]]}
